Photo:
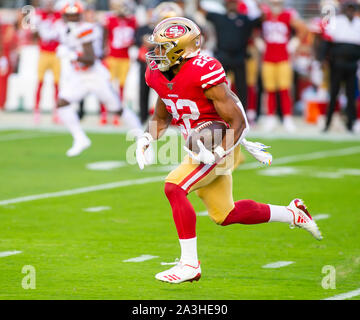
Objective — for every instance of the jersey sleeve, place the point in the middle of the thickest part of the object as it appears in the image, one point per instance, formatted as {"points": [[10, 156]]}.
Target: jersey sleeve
{"points": [[212, 74], [86, 33]]}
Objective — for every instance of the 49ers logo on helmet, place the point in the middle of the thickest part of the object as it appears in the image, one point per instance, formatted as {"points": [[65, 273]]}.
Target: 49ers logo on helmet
{"points": [[175, 31]]}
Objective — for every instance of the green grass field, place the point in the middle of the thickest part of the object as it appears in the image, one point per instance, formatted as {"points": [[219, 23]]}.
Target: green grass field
{"points": [[79, 254]]}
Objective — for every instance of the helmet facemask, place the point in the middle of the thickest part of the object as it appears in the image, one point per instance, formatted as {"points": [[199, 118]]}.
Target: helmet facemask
{"points": [[158, 58]]}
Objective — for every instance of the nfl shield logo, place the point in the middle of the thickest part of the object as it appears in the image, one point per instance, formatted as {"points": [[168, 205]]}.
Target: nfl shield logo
{"points": [[170, 86]]}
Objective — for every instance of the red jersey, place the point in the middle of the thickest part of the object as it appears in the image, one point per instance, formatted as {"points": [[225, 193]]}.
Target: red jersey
{"points": [[184, 94], [121, 33], [48, 30], [277, 33]]}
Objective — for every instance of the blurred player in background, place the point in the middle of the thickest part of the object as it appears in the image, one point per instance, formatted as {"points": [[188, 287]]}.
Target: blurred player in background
{"points": [[277, 74], [119, 36], [250, 8], [86, 75], [8, 47], [47, 33], [193, 90]]}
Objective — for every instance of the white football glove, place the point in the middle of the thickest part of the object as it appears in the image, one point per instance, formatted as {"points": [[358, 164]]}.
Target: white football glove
{"points": [[204, 156], [258, 151], [142, 144], [63, 52]]}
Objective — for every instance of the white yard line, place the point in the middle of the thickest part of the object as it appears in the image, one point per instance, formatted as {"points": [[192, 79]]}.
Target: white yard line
{"points": [[321, 216], [96, 209], [8, 253], [125, 183], [71, 192], [346, 295], [278, 264], [23, 136], [141, 258]]}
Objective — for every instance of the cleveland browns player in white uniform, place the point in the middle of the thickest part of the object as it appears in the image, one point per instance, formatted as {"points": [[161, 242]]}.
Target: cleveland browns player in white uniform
{"points": [[192, 90], [86, 75]]}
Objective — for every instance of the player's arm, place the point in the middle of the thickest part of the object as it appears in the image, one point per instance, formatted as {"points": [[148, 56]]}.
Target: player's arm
{"points": [[300, 27], [156, 128], [88, 56], [230, 109], [160, 120]]}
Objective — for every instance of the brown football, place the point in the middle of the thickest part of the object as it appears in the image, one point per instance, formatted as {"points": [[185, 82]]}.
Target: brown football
{"points": [[210, 133]]}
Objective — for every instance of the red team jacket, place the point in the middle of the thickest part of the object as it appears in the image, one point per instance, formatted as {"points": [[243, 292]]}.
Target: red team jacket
{"points": [[184, 94]]}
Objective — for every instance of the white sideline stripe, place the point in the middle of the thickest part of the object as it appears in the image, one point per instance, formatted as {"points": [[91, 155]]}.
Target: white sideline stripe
{"points": [[23, 136], [141, 258], [71, 192], [321, 216], [246, 166], [96, 209], [8, 253], [346, 295], [209, 75], [278, 264]]}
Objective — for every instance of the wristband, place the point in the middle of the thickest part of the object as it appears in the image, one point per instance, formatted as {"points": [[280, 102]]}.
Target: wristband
{"points": [[219, 150]]}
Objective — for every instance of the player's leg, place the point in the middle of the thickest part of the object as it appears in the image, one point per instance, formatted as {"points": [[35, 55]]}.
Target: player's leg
{"points": [[56, 69], [285, 79], [270, 87], [335, 85], [105, 92], [350, 90], [42, 67], [73, 90], [123, 66], [251, 81]]}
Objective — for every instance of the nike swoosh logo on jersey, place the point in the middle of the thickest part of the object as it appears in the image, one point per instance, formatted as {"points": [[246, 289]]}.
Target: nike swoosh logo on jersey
{"points": [[212, 67]]}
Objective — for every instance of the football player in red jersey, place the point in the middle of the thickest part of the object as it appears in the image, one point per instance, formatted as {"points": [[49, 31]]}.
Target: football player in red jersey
{"points": [[192, 89], [119, 35], [276, 68], [47, 32]]}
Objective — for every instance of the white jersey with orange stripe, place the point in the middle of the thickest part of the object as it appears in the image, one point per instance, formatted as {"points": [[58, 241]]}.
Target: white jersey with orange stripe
{"points": [[74, 35]]}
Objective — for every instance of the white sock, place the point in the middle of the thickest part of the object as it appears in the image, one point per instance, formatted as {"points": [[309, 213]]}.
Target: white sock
{"points": [[131, 119], [189, 251], [280, 214], [71, 120]]}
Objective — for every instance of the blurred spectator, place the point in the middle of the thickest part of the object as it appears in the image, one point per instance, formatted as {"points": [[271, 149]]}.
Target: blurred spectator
{"points": [[119, 35], [8, 57], [233, 31], [343, 53], [277, 74], [47, 34], [250, 8]]}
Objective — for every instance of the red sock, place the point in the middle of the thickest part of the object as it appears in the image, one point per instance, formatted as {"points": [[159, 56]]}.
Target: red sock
{"points": [[286, 102], [121, 93], [271, 103], [358, 108], [183, 212], [248, 212], [38, 95], [56, 87], [103, 110], [251, 98]]}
